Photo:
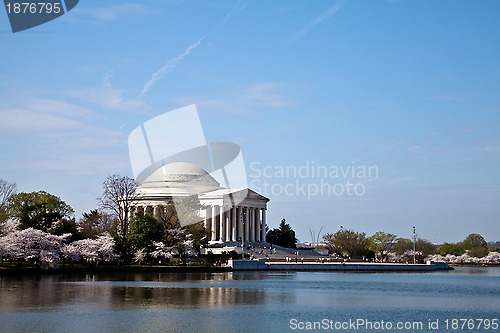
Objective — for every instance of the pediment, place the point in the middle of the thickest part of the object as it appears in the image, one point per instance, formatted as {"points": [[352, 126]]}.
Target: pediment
{"points": [[243, 193]]}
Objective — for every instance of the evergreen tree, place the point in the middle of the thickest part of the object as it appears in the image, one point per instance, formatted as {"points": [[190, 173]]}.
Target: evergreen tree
{"points": [[282, 236]]}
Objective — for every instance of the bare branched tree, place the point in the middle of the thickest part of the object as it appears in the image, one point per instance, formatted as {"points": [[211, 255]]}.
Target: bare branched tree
{"points": [[119, 198], [6, 191]]}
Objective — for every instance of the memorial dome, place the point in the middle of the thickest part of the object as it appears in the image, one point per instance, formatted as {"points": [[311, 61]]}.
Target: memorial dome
{"points": [[178, 179]]}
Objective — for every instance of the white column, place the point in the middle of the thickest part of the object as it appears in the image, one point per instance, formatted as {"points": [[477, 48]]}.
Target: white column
{"points": [[208, 222], [239, 212], [263, 230], [234, 223], [222, 224], [227, 220], [257, 224], [247, 219], [252, 224], [213, 221]]}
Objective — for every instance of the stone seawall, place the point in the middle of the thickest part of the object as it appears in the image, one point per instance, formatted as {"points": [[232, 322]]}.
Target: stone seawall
{"points": [[116, 269], [262, 265]]}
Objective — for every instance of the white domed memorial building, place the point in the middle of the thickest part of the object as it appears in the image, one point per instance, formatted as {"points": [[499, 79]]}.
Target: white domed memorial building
{"points": [[229, 215]]}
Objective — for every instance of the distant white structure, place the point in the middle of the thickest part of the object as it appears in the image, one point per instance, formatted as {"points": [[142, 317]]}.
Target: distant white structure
{"points": [[230, 215]]}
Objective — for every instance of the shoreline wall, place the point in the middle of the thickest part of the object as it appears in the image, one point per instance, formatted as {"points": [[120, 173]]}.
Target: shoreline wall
{"points": [[238, 265], [261, 264]]}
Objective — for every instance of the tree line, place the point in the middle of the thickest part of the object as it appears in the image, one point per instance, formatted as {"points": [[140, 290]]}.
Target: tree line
{"points": [[385, 246], [41, 227], [389, 247]]}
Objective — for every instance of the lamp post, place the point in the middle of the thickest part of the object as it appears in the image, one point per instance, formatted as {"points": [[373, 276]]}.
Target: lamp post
{"points": [[341, 231], [414, 241]]}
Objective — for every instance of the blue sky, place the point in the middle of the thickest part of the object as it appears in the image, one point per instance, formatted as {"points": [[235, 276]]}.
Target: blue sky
{"points": [[411, 87]]}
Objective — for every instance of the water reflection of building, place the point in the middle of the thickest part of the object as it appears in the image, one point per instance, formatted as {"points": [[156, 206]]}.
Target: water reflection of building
{"points": [[111, 292], [186, 289]]}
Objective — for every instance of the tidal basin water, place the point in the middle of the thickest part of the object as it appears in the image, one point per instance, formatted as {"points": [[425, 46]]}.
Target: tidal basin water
{"points": [[246, 301]]}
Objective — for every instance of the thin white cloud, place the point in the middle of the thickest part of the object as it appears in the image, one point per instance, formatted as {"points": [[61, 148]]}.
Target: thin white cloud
{"points": [[482, 149], [238, 7], [39, 114], [241, 98], [394, 145], [110, 98], [87, 69], [49, 135], [326, 15], [169, 66], [413, 148], [28, 121], [454, 98], [394, 181], [111, 13], [106, 80]]}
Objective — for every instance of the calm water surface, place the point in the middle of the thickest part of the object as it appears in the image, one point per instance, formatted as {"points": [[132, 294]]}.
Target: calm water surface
{"points": [[244, 302]]}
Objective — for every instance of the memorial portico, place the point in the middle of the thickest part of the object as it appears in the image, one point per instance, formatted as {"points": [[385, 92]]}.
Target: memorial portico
{"points": [[234, 215]]}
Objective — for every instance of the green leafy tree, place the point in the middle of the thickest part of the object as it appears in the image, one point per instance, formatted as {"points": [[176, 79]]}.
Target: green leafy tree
{"points": [[144, 230], [450, 248], [198, 234], [422, 245], [95, 223], [167, 229], [66, 226], [425, 247], [123, 247], [39, 210], [478, 251], [168, 216], [382, 243], [345, 242], [210, 260], [473, 240], [188, 210], [283, 236], [364, 252], [494, 246], [476, 245], [402, 245]]}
